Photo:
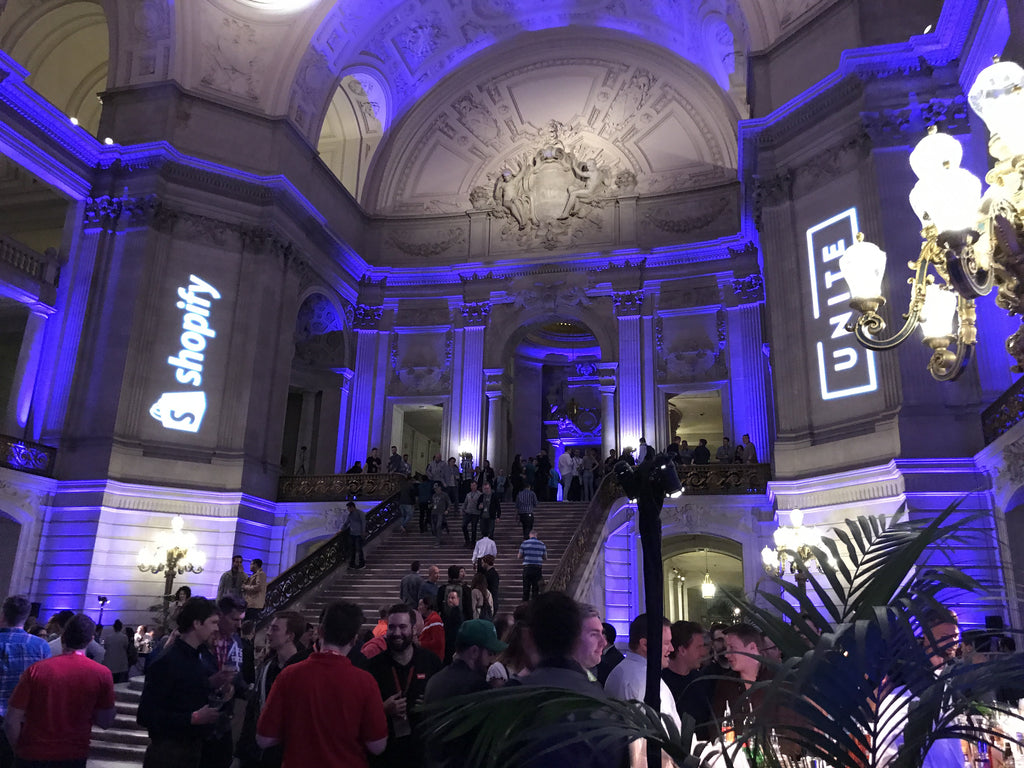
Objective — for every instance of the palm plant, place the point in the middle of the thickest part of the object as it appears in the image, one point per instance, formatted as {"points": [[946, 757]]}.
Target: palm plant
{"points": [[857, 688]]}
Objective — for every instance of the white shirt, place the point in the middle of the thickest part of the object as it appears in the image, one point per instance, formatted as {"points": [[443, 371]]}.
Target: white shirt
{"points": [[484, 546], [565, 465], [628, 681]]}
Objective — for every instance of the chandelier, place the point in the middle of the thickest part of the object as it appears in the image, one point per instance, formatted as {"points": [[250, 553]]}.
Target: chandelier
{"points": [[707, 587], [972, 243], [173, 552], [789, 540]]}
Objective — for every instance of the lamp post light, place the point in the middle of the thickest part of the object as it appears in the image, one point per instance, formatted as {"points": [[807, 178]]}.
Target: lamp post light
{"points": [[972, 243], [648, 484], [173, 552]]}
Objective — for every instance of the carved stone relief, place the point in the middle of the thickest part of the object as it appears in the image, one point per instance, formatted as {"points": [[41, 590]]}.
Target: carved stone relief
{"points": [[319, 335], [687, 352], [529, 293], [669, 219], [437, 242], [421, 363], [231, 59]]}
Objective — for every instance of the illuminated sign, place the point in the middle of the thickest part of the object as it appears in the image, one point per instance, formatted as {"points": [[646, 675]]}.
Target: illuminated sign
{"points": [[844, 367], [184, 411]]}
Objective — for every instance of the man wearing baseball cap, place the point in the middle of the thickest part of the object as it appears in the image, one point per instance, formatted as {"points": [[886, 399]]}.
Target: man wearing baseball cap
{"points": [[475, 646]]}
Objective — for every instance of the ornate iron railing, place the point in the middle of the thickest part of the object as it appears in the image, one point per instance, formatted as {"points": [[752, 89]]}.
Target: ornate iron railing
{"points": [[585, 540], [316, 566], [377, 485], [1006, 411], [725, 478], [26, 456]]}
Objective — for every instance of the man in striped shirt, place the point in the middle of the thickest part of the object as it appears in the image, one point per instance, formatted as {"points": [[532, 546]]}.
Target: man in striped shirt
{"points": [[533, 553]]}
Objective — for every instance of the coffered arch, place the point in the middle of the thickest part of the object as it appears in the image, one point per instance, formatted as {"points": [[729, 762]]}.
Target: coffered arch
{"points": [[656, 121]]}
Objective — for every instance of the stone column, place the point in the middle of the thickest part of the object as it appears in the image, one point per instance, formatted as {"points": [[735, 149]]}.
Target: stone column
{"points": [[344, 394], [744, 299], [606, 386], [495, 452], [24, 382], [471, 373], [364, 383], [630, 422]]}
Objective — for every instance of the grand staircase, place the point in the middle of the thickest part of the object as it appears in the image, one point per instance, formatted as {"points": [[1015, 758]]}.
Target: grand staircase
{"points": [[387, 560]]}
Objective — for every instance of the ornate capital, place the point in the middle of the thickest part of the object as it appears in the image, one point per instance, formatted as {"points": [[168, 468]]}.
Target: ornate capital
{"points": [[366, 318], [476, 313], [628, 302], [748, 289], [111, 213]]}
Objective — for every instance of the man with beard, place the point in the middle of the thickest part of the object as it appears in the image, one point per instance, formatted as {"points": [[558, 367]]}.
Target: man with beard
{"points": [[402, 673]]}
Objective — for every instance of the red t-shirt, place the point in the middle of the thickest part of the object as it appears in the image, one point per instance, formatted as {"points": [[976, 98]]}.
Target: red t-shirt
{"points": [[324, 711], [59, 696]]}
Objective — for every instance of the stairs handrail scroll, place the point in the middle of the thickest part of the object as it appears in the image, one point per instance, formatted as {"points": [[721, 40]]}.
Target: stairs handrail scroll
{"points": [[311, 570]]}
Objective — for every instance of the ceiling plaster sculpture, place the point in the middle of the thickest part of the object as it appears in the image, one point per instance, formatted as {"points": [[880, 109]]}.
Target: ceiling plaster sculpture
{"points": [[232, 63], [534, 295], [523, 128]]}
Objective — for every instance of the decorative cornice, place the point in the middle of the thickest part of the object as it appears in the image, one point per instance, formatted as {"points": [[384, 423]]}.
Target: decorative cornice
{"points": [[907, 125], [113, 213]]}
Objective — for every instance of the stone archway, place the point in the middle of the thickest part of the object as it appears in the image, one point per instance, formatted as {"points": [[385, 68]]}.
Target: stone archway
{"points": [[686, 558]]}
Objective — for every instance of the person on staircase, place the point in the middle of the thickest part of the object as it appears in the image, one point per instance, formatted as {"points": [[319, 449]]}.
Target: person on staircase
{"points": [[409, 586], [439, 503], [526, 502], [471, 514], [490, 510], [357, 530]]}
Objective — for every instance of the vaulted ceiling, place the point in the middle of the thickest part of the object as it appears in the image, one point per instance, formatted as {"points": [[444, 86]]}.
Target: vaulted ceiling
{"points": [[414, 104]]}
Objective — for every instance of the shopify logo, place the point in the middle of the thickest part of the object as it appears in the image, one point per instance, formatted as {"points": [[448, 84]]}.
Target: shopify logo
{"points": [[184, 411]]}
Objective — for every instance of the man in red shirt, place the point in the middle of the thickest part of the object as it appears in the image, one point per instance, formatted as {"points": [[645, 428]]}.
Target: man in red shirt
{"points": [[305, 712], [55, 704], [432, 634]]}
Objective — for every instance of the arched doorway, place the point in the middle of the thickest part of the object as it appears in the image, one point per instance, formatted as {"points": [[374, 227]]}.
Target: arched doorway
{"points": [[685, 560], [556, 399]]}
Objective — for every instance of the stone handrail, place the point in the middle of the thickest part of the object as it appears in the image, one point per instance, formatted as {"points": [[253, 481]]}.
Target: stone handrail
{"points": [[26, 456], [587, 537], [367, 485], [1006, 411], [24, 259], [309, 572]]}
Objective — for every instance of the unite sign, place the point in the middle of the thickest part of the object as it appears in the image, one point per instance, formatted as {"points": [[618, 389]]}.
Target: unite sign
{"points": [[184, 411], [844, 367]]}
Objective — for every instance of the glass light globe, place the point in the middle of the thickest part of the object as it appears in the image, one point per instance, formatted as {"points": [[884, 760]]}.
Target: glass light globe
{"points": [[949, 200], [768, 556], [863, 266], [935, 152], [939, 308], [997, 97]]}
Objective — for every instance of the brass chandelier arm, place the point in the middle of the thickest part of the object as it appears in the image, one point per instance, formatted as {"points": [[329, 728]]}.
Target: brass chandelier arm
{"points": [[945, 365], [867, 327]]}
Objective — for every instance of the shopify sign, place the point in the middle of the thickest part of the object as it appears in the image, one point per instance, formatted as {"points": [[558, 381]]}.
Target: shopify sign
{"points": [[184, 411], [844, 367]]}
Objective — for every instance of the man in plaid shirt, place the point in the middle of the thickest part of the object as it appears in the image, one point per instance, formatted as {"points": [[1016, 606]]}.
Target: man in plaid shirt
{"points": [[18, 651]]}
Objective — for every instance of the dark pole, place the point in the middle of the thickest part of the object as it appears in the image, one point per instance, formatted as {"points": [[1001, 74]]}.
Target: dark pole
{"points": [[650, 498]]}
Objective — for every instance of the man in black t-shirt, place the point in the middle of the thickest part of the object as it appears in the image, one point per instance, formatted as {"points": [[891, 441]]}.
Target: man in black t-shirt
{"points": [[402, 673]]}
